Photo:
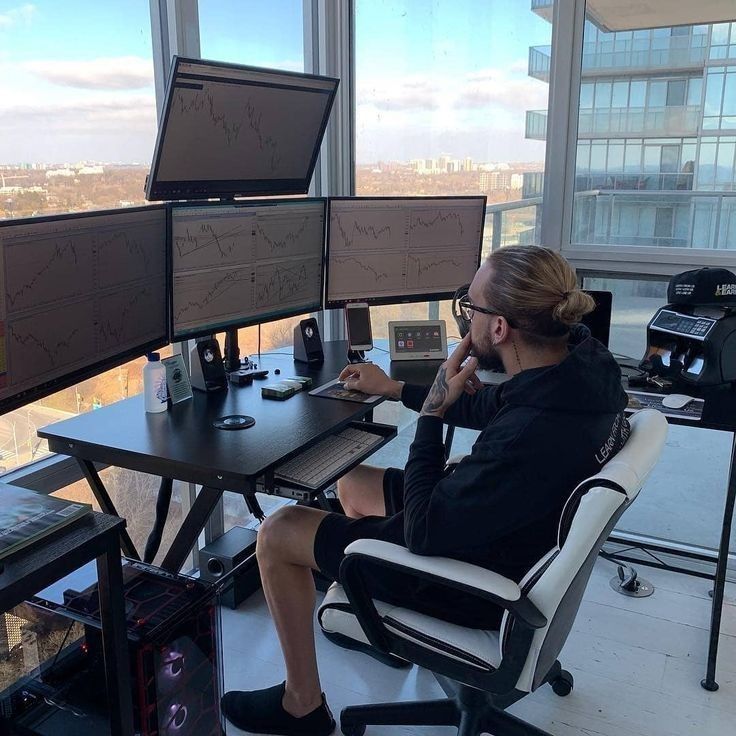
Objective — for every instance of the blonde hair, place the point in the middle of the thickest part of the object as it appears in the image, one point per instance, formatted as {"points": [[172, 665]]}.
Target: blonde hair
{"points": [[537, 291]]}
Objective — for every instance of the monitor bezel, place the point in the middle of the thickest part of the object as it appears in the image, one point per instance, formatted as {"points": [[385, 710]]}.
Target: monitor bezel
{"points": [[206, 189], [260, 319], [47, 388], [411, 298]]}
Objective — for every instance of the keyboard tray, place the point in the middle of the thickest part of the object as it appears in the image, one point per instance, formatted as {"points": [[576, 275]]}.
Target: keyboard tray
{"points": [[290, 489]]}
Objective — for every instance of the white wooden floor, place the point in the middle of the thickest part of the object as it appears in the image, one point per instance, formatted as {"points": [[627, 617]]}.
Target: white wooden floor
{"points": [[637, 665]]}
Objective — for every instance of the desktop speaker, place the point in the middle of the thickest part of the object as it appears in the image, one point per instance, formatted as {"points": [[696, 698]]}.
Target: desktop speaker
{"points": [[307, 342], [217, 560], [206, 366]]}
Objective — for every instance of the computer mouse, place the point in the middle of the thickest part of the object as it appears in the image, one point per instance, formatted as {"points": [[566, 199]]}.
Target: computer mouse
{"points": [[676, 401], [277, 371]]}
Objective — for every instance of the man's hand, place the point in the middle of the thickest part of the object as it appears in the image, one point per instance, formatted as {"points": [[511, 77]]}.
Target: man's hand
{"points": [[370, 379], [452, 379]]}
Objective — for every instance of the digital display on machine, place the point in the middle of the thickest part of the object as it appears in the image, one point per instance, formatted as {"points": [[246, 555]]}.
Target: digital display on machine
{"points": [[232, 130], [80, 294], [388, 250], [408, 339], [241, 264], [682, 324]]}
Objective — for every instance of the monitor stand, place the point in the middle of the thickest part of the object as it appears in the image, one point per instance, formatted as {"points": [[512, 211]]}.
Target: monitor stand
{"points": [[232, 365]]}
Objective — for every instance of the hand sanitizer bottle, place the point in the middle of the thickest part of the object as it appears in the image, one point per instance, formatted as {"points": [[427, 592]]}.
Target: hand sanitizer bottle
{"points": [[155, 394]]}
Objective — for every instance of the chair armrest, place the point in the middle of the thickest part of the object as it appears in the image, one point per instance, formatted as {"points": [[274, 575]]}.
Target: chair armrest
{"points": [[470, 576], [453, 574]]}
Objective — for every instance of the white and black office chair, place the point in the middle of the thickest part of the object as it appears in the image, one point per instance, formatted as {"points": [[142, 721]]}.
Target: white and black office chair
{"points": [[490, 670]]}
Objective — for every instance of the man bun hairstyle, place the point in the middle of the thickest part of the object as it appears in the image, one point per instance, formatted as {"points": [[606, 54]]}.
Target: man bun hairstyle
{"points": [[537, 291]]}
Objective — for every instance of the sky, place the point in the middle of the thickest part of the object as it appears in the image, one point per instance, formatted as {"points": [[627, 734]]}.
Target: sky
{"points": [[433, 76]]}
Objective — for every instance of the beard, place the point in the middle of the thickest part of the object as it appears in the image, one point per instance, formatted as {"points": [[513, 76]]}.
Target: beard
{"points": [[489, 358]]}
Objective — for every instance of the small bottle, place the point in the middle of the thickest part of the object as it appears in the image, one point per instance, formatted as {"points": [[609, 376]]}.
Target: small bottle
{"points": [[155, 393]]}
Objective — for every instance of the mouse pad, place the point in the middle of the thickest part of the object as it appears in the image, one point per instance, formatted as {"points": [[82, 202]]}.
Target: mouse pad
{"points": [[335, 390]]}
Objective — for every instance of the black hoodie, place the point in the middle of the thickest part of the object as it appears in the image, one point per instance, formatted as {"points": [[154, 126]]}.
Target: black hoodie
{"points": [[542, 432]]}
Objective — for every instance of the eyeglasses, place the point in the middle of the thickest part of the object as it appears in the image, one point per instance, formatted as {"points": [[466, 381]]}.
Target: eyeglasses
{"points": [[467, 308]]}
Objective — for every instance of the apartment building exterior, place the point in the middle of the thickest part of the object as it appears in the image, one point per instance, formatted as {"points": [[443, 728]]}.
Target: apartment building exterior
{"points": [[656, 153]]}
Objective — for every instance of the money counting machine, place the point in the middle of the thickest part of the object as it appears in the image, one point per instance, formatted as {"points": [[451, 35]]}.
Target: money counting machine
{"points": [[692, 340]]}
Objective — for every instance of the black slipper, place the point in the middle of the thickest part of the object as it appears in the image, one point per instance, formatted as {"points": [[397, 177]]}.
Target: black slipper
{"points": [[262, 711]]}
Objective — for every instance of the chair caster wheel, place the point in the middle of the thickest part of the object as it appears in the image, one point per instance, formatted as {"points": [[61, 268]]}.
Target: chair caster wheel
{"points": [[562, 684], [352, 729]]}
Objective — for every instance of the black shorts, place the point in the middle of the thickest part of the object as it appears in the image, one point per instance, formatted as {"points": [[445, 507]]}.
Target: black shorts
{"points": [[337, 531]]}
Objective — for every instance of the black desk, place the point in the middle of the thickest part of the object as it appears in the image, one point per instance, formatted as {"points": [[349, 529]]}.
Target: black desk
{"points": [[96, 536], [182, 443]]}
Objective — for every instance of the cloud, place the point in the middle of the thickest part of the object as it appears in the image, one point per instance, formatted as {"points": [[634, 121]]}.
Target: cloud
{"points": [[112, 73], [492, 88], [99, 115], [21, 14]]}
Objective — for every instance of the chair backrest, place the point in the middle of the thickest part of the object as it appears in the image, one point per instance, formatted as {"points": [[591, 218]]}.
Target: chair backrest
{"points": [[557, 582]]}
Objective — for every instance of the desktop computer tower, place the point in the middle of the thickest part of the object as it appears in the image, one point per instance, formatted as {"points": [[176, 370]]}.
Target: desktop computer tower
{"points": [[173, 640]]}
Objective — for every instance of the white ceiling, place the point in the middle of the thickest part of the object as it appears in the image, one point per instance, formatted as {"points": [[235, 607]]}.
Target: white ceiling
{"points": [[625, 15]]}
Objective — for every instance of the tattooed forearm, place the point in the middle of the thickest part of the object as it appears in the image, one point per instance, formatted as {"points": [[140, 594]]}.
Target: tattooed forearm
{"points": [[434, 403]]}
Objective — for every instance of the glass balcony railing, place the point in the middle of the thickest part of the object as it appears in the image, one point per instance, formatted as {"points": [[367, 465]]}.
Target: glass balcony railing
{"points": [[657, 121], [665, 219], [633, 181], [539, 62], [544, 8], [536, 125], [635, 121], [514, 223], [532, 184], [675, 52]]}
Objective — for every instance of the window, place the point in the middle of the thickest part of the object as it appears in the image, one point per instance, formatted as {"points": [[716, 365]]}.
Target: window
{"points": [[442, 92], [77, 128], [252, 32]]}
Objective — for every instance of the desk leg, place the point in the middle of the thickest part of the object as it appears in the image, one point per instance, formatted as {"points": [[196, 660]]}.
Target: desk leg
{"points": [[115, 640], [709, 682], [191, 528], [106, 505]]}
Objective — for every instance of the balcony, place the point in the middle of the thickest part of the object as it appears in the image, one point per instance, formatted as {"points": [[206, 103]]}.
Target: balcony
{"points": [[635, 181], [540, 58], [639, 121], [532, 185], [514, 223], [544, 8], [674, 53], [665, 219], [536, 125]]}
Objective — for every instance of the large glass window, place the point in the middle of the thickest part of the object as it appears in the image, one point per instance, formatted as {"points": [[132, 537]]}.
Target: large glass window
{"points": [[77, 129], [442, 94], [253, 32], [256, 34]]}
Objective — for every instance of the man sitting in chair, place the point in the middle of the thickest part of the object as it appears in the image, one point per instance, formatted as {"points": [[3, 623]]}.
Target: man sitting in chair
{"points": [[553, 424]]}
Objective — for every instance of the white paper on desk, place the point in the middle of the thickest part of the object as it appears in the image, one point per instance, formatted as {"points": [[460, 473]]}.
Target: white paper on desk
{"points": [[334, 390]]}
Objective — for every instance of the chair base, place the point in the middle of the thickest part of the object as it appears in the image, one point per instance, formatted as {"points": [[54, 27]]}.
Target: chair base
{"points": [[472, 712]]}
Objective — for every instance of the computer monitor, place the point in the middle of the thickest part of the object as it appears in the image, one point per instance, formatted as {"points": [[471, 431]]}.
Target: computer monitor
{"points": [[229, 130], [387, 250], [240, 264], [82, 294], [599, 320]]}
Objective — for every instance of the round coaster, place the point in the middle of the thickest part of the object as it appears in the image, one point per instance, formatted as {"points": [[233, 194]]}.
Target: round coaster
{"points": [[234, 421]]}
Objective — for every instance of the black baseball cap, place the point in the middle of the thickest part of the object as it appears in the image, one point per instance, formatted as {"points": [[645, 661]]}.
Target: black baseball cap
{"points": [[714, 287]]}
